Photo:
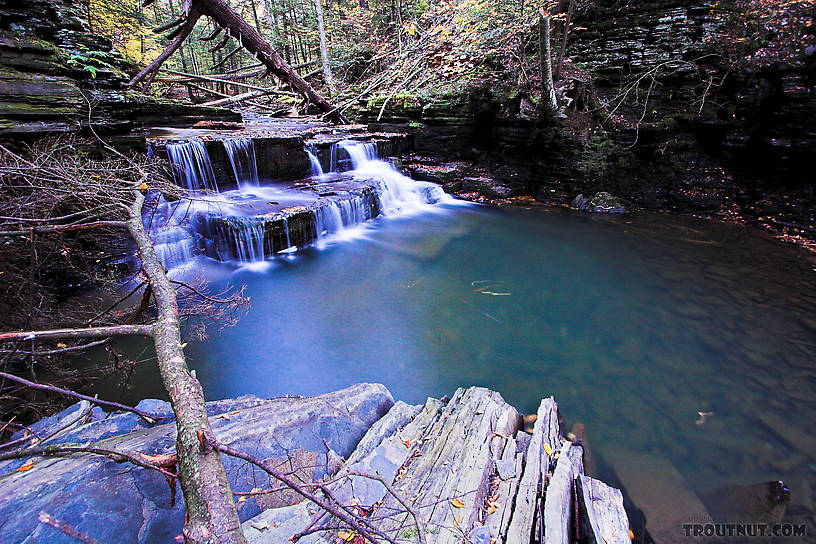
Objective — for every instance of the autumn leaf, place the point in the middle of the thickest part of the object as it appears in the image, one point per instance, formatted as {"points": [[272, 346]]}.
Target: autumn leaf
{"points": [[143, 187], [456, 503], [26, 467], [345, 536], [547, 449]]}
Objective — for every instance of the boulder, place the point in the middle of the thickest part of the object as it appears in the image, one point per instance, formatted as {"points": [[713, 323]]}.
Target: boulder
{"points": [[125, 504], [602, 202]]}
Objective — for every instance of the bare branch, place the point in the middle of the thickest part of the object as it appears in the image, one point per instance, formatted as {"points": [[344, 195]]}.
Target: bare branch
{"points": [[54, 389], [90, 332], [65, 528]]}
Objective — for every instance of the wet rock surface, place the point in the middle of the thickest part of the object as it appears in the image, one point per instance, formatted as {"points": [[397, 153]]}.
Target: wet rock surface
{"points": [[126, 504]]}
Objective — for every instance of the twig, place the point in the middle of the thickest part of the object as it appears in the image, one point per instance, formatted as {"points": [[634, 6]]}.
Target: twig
{"points": [[266, 467], [65, 528], [43, 387], [419, 525]]}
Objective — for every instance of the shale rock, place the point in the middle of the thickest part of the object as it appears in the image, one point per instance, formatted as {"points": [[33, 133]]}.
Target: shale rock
{"points": [[124, 504]]}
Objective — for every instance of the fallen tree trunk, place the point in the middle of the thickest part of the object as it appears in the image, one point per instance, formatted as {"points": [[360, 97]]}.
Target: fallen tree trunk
{"points": [[225, 17], [211, 512]]}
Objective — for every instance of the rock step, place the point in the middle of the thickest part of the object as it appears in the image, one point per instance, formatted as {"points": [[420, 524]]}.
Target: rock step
{"points": [[471, 474]]}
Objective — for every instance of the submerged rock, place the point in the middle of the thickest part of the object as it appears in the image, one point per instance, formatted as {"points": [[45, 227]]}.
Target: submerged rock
{"points": [[602, 202], [126, 504]]}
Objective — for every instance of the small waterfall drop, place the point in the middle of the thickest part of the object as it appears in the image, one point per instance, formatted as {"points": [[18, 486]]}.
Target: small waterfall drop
{"points": [[316, 167], [249, 241], [191, 166], [172, 242], [397, 192], [241, 153]]}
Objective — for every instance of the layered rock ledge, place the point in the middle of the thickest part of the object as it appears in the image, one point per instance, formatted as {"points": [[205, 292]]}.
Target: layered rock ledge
{"points": [[464, 465]]}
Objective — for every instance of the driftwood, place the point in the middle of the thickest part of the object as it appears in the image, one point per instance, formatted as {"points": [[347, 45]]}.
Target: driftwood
{"points": [[225, 17]]}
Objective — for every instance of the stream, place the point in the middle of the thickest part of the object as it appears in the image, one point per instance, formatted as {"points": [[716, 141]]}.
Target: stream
{"points": [[636, 324]]}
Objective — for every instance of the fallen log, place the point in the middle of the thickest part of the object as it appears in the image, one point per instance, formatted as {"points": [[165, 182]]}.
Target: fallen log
{"points": [[235, 26]]}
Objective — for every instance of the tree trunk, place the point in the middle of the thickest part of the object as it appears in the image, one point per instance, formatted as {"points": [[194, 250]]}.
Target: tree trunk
{"points": [[211, 513], [222, 14], [563, 50], [548, 99], [324, 50]]}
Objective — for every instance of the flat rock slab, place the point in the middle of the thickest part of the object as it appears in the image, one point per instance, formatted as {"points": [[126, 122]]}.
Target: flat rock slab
{"points": [[123, 504], [655, 487]]}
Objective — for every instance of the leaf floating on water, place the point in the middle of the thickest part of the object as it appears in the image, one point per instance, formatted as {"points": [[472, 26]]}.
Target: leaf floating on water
{"points": [[456, 503]]}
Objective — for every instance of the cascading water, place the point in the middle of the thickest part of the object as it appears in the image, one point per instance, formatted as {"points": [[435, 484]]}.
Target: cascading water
{"points": [[191, 166], [173, 242], [316, 167], [249, 242], [241, 153], [397, 192]]}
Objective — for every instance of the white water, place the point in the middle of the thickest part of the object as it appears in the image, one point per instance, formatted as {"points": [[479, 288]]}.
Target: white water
{"points": [[249, 242], [398, 192], [191, 166], [189, 227], [241, 153], [314, 162]]}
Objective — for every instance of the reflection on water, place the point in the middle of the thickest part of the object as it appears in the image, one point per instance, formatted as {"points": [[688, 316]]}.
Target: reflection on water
{"points": [[635, 324]]}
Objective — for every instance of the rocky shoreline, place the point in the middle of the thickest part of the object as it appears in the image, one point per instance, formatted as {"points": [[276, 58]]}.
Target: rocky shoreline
{"points": [[465, 465]]}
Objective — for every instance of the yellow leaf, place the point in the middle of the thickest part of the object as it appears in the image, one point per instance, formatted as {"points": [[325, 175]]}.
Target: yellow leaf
{"points": [[547, 449], [491, 509], [143, 187], [456, 503], [26, 466], [345, 535]]}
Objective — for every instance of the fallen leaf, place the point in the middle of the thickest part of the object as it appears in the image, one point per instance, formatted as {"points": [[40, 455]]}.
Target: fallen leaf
{"points": [[547, 449], [456, 503], [241, 499], [143, 187], [26, 466], [345, 535], [491, 509]]}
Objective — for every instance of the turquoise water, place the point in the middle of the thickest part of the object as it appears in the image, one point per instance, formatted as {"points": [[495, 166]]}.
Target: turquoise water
{"points": [[635, 324]]}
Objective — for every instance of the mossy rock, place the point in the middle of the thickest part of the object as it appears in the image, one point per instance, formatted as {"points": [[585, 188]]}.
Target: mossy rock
{"points": [[602, 202]]}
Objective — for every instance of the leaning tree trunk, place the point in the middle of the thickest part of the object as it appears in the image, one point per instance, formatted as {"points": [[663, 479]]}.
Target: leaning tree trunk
{"points": [[324, 50], [226, 18], [211, 513]]}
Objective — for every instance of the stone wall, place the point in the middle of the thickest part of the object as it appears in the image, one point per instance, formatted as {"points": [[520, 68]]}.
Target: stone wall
{"points": [[48, 86]]}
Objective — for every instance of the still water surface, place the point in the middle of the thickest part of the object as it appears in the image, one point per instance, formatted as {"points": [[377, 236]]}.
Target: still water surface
{"points": [[634, 324]]}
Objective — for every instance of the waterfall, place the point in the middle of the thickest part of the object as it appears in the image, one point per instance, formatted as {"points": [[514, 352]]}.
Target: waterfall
{"points": [[173, 242], [191, 166], [316, 167], [249, 241], [397, 191], [241, 153]]}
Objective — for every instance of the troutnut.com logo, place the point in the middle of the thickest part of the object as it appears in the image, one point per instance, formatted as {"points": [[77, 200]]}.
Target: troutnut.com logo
{"points": [[760, 530]]}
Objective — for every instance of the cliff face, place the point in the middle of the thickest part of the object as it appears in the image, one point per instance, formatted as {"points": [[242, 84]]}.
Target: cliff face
{"points": [[663, 56], [654, 115], [54, 73]]}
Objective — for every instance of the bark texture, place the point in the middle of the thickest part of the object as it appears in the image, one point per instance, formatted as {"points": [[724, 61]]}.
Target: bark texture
{"points": [[224, 16], [211, 513]]}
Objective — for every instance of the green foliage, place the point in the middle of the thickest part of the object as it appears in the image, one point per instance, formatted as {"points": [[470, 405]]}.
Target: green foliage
{"points": [[91, 61], [594, 156]]}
